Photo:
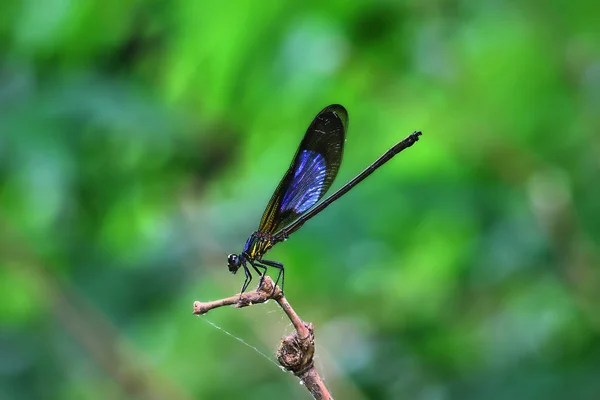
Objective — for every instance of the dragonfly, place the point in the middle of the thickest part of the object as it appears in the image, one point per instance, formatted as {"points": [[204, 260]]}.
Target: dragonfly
{"points": [[296, 199]]}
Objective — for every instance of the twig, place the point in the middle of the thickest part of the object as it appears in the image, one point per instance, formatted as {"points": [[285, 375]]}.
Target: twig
{"points": [[295, 352]]}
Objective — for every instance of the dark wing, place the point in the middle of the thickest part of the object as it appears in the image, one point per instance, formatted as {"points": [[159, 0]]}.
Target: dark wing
{"points": [[312, 171]]}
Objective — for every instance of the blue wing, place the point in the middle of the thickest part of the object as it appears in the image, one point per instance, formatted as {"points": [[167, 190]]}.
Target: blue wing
{"points": [[312, 171], [306, 186]]}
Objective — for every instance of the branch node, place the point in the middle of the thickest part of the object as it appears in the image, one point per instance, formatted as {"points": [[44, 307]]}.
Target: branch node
{"points": [[295, 354]]}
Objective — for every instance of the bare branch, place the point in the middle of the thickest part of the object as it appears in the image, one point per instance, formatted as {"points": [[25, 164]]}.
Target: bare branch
{"points": [[296, 351]]}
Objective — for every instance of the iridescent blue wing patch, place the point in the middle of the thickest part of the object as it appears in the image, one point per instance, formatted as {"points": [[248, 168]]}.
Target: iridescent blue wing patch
{"points": [[306, 185], [312, 171]]}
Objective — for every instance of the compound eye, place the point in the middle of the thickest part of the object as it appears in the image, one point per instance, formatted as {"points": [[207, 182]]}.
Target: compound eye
{"points": [[233, 263], [233, 260]]}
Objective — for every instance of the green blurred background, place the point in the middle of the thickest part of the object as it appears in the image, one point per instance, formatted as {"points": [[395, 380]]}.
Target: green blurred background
{"points": [[140, 142]]}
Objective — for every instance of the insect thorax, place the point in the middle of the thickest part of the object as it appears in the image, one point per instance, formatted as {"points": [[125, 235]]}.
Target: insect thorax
{"points": [[258, 244]]}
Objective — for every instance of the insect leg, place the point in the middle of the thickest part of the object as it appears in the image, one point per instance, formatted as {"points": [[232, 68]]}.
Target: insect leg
{"points": [[248, 278], [256, 265], [281, 273]]}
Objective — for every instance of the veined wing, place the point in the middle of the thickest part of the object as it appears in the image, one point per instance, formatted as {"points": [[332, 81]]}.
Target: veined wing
{"points": [[312, 171]]}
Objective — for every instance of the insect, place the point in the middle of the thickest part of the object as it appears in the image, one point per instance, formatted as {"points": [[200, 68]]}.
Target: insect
{"points": [[313, 169]]}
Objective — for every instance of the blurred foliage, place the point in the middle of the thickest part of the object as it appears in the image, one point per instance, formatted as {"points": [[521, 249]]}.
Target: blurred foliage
{"points": [[140, 141]]}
